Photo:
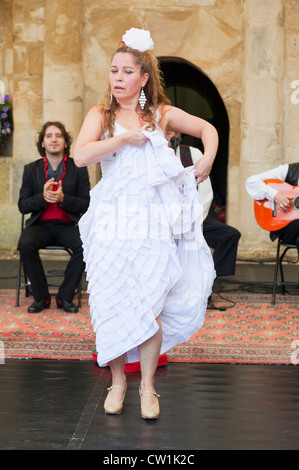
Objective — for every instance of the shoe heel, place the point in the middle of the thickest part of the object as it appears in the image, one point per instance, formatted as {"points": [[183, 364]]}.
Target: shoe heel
{"points": [[115, 407], [150, 412]]}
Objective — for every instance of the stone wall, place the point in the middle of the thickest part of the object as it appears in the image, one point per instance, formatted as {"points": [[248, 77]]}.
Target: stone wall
{"points": [[55, 59]]}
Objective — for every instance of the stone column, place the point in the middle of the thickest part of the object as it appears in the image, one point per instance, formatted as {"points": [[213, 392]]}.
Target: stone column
{"points": [[28, 51], [262, 109], [63, 78], [26, 59], [291, 82]]}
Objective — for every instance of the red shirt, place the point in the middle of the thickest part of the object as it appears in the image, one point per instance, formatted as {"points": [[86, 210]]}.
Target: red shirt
{"points": [[52, 211]]}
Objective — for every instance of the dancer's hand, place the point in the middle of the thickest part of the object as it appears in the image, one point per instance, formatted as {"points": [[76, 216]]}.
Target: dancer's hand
{"points": [[202, 169], [136, 137]]}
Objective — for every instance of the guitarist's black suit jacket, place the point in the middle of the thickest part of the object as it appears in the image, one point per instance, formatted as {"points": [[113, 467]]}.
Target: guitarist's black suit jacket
{"points": [[75, 185]]}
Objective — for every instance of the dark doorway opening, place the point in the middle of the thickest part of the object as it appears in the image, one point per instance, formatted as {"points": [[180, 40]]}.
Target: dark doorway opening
{"points": [[190, 89]]}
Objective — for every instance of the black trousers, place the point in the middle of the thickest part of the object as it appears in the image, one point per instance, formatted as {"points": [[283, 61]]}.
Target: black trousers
{"points": [[224, 240], [43, 234], [289, 234]]}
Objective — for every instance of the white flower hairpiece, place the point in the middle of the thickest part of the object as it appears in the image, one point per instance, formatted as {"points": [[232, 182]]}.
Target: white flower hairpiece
{"points": [[138, 39]]}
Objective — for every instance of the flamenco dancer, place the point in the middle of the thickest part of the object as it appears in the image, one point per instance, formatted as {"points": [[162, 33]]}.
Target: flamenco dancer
{"points": [[149, 269]]}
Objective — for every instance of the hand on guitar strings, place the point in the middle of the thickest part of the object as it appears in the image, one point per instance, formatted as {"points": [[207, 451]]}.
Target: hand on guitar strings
{"points": [[283, 201]]}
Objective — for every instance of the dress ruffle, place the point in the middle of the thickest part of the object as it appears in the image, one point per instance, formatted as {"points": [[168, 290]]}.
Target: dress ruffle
{"points": [[144, 251]]}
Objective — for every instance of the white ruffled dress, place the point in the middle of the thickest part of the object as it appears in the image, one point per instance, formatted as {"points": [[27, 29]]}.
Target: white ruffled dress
{"points": [[144, 250]]}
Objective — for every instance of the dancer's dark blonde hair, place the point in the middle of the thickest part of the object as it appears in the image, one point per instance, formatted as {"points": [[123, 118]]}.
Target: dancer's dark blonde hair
{"points": [[154, 91]]}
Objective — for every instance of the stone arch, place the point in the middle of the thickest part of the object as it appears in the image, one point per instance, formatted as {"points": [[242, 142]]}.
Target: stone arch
{"points": [[190, 89]]}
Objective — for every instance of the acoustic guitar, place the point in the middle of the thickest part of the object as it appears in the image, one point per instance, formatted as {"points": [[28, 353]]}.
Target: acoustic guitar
{"points": [[269, 215]]}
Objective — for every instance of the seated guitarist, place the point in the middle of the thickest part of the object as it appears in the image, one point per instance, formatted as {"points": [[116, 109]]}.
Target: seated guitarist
{"points": [[259, 190]]}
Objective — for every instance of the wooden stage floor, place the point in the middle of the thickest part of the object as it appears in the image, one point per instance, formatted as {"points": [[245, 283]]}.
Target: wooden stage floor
{"points": [[58, 405]]}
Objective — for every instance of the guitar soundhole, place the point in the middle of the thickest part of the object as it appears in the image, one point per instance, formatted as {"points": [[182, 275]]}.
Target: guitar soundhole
{"points": [[295, 203]]}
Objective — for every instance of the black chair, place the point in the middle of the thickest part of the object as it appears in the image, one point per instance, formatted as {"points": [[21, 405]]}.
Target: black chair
{"points": [[26, 284], [278, 265]]}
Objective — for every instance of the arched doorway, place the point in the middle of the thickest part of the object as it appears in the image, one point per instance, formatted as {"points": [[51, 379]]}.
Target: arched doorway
{"points": [[190, 89]]}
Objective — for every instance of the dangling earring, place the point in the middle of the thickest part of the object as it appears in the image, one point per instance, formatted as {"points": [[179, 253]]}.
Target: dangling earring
{"points": [[142, 99], [111, 98]]}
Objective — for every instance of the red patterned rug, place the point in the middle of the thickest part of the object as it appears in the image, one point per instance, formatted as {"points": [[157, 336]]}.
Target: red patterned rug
{"points": [[253, 332], [51, 334]]}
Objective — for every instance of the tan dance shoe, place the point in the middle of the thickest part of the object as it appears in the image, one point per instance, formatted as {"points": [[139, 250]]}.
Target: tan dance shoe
{"points": [[150, 412], [115, 407]]}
